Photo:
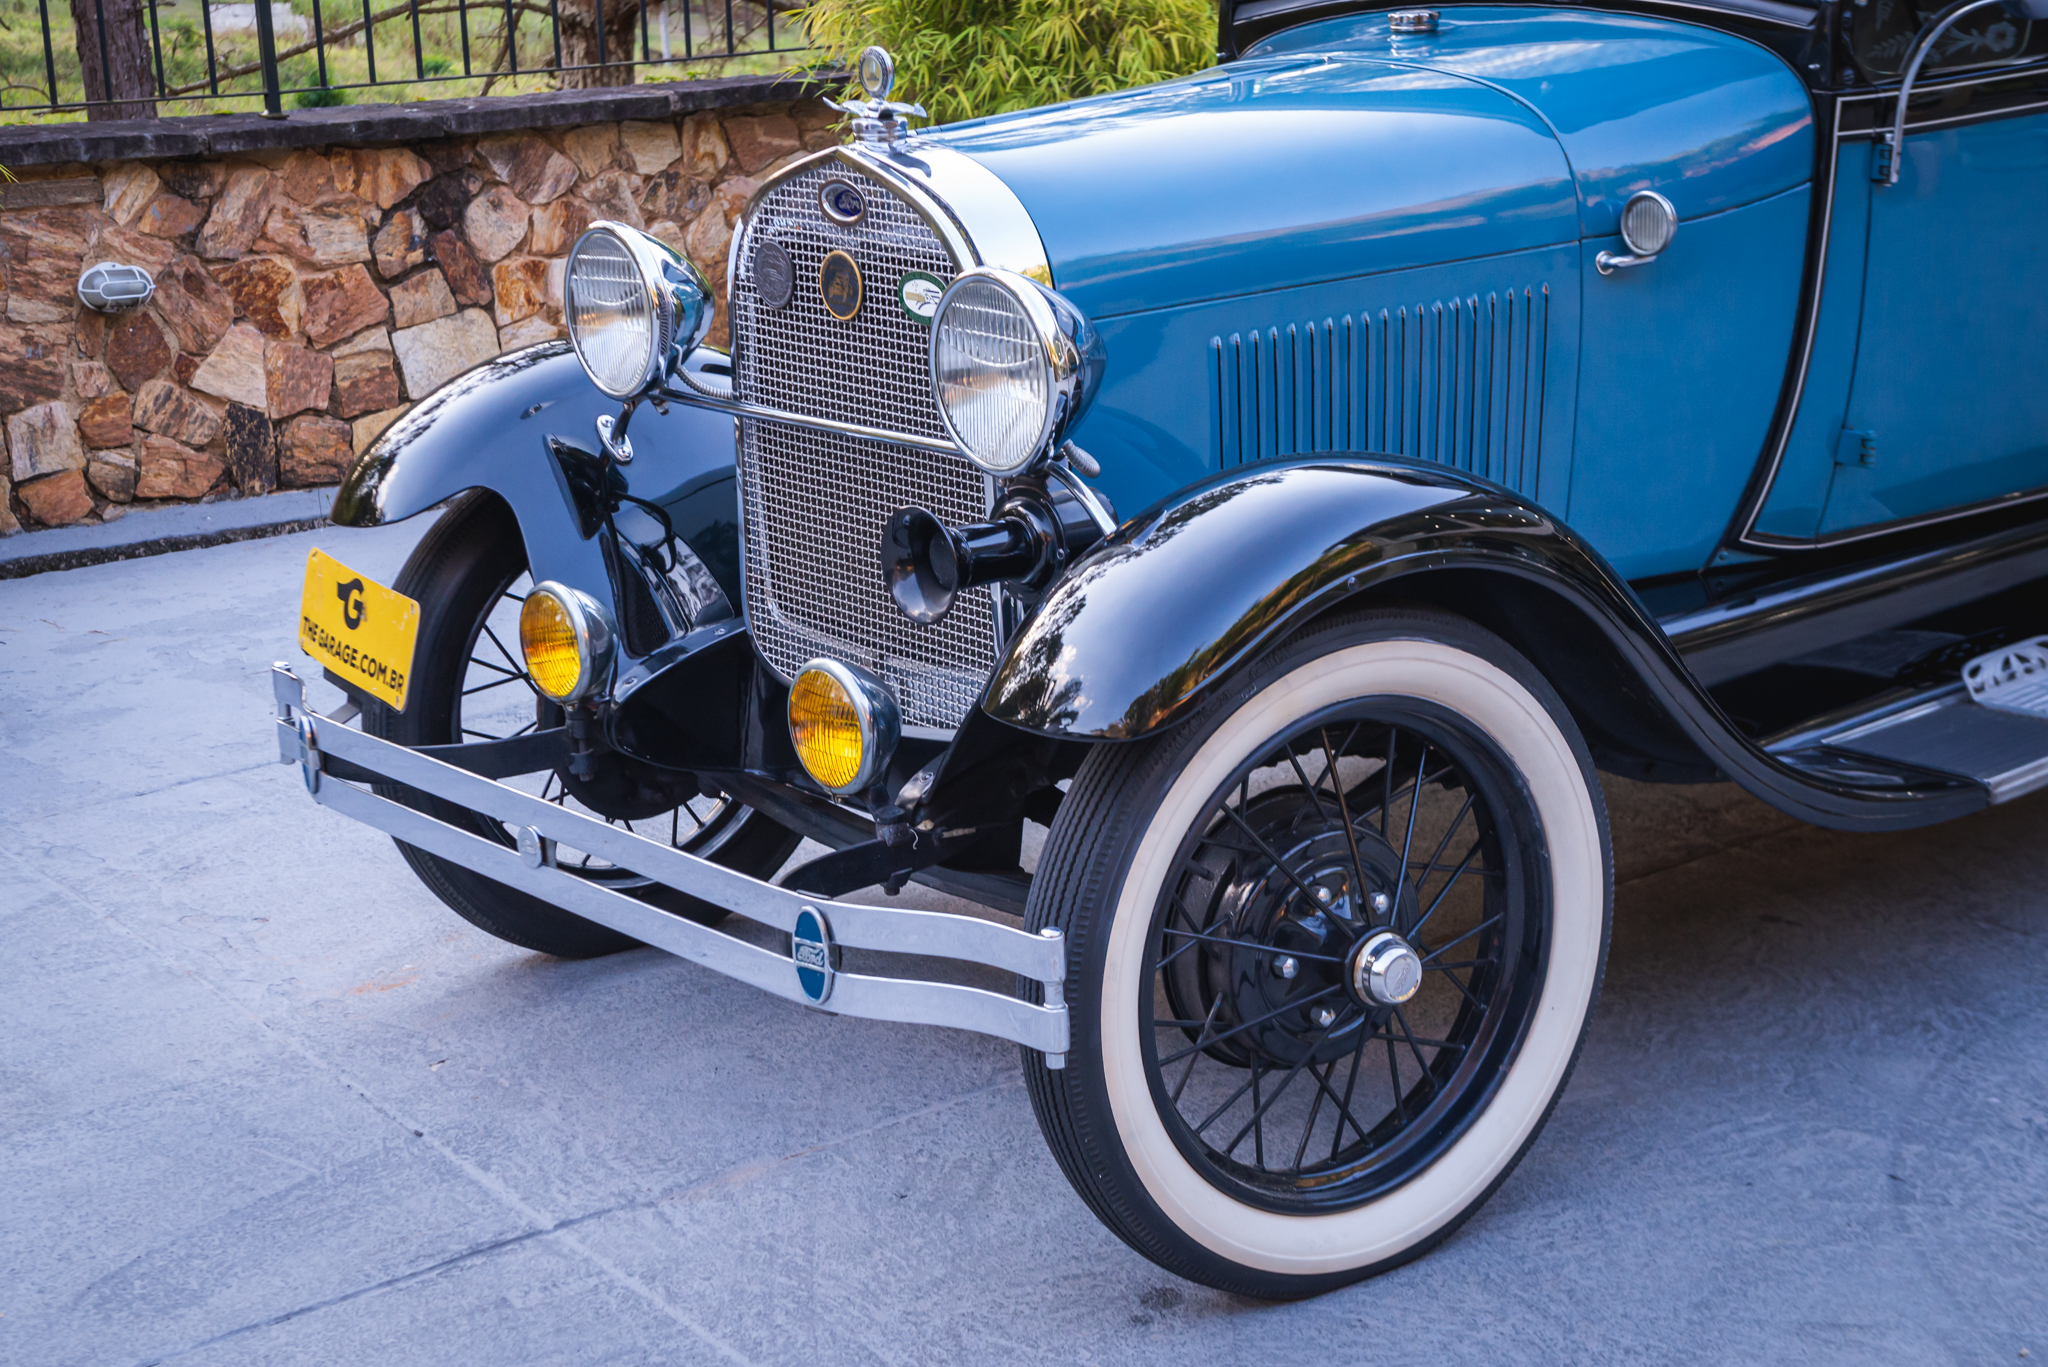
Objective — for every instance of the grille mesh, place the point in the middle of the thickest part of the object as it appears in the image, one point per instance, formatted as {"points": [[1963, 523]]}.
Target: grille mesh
{"points": [[814, 503]]}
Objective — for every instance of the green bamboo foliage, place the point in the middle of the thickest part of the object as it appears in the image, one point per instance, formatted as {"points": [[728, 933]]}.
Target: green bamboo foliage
{"points": [[961, 59]]}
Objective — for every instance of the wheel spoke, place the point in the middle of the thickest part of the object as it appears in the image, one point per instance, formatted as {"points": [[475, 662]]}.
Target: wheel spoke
{"points": [[1438, 853], [1252, 945], [1344, 811], [1277, 862], [1196, 1056], [495, 683], [1261, 1020], [1445, 890], [1462, 938]]}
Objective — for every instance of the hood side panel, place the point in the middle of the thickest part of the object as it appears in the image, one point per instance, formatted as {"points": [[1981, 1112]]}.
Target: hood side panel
{"points": [[1276, 174], [1710, 120]]}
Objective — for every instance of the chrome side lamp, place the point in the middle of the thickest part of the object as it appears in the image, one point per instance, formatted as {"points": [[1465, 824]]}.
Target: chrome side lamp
{"points": [[111, 287], [1648, 223]]}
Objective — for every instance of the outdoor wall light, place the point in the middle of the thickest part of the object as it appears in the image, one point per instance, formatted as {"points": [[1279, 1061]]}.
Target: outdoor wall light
{"points": [[111, 287]]}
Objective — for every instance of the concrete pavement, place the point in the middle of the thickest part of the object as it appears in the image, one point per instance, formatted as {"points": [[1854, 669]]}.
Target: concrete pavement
{"points": [[264, 1100]]}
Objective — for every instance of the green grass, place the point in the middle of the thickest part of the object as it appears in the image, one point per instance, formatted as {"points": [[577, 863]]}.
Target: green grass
{"points": [[24, 71]]}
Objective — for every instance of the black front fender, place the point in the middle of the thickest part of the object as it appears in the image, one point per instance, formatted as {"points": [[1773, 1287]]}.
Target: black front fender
{"points": [[491, 427], [1144, 627]]}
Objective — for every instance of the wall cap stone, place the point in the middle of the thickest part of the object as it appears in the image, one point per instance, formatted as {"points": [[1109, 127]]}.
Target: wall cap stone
{"points": [[205, 135]]}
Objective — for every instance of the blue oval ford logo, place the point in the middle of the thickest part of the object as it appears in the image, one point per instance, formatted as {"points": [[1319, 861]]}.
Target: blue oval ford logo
{"points": [[842, 203], [810, 949]]}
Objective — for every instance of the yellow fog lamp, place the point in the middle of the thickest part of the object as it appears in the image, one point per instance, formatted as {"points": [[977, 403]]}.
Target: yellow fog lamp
{"points": [[844, 723], [566, 638]]}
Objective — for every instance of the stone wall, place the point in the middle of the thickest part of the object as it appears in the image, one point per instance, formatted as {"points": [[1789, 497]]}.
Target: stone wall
{"points": [[306, 296]]}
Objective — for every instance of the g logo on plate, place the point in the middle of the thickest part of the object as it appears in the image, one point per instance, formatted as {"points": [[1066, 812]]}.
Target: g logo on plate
{"points": [[839, 285], [774, 275]]}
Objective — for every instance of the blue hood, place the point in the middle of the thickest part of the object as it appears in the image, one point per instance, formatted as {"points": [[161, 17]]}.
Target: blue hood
{"points": [[1272, 173], [1337, 150]]}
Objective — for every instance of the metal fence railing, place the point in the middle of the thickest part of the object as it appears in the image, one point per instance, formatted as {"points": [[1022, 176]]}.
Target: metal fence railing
{"points": [[144, 58]]}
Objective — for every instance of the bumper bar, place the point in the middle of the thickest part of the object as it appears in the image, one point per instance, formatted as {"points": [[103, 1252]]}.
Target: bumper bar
{"points": [[817, 925]]}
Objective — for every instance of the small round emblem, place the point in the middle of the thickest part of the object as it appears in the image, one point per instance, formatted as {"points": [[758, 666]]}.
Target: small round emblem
{"points": [[774, 275], [839, 285], [842, 202], [810, 949], [919, 294]]}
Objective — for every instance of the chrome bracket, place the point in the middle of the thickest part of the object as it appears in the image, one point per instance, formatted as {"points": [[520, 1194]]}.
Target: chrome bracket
{"points": [[1892, 147], [1607, 263], [621, 449]]}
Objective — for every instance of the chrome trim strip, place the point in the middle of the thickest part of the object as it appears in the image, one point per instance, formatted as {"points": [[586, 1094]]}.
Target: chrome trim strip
{"points": [[1748, 537], [988, 211], [741, 408], [305, 736]]}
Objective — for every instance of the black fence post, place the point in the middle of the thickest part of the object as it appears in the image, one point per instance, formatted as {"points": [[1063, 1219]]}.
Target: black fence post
{"points": [[266, 55]]}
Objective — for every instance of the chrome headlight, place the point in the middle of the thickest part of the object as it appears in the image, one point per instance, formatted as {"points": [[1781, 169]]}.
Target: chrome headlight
{"points": [[1014, 366], [635, 307]]}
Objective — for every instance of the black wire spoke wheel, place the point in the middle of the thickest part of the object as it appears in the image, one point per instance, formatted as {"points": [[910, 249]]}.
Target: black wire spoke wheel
{"points": [[498, 700], [470, 683], [1285, 1076], [1333, 938]]}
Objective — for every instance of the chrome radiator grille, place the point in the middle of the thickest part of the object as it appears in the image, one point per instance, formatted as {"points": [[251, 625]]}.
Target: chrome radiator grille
{"points": [[813, 503]]}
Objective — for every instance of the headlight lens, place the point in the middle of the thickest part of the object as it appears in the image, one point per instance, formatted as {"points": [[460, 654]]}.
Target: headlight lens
{"points": [[991, 373], [633, 303], [566, 639], [611, 313], [1013, 367], [844, 724]]}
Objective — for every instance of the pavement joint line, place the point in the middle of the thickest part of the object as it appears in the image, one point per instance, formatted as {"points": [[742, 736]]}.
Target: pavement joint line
{"points": [[1729, 848], [146, 792], [493, 1185]]}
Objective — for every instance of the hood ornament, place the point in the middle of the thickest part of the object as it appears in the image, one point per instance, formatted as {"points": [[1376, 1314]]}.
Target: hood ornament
{"points": [[878, 119]]}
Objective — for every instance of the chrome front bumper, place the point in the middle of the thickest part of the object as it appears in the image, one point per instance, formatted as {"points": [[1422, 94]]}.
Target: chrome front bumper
{"points": [[816, 925]]}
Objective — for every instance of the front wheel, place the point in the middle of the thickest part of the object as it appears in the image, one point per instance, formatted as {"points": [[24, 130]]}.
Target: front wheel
{"points": [[1333, 944], [469, 683]]}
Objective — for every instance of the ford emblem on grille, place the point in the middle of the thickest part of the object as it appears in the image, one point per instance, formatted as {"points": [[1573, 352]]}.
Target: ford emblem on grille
{"points": [[810, 949], [842, 203], [774, 275], [839, 283]]}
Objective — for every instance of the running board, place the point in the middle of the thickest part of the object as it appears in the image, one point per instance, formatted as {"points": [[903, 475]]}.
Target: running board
{"points": [[1937, 731]]}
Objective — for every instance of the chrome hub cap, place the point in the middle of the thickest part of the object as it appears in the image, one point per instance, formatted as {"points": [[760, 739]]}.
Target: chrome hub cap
{"points": [[1384, 970]]}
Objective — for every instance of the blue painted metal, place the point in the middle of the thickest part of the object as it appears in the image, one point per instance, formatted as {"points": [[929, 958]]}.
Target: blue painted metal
{"points": [[1344, 237], [1805, 470], [1265, 175], [1386, 362], [1680, 374], [1954, 343], [1709, 120]]}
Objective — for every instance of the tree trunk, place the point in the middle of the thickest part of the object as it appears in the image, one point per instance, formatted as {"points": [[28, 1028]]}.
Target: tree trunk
{"points": [[114, 57], [580, 46]]}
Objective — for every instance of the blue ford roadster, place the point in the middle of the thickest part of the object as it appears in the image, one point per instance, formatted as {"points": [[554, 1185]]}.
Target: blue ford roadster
{"points": [[1225, 529]]}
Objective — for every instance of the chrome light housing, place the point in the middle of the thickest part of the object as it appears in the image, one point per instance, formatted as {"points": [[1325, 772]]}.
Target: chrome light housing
{"points": [[635, 307], [1013, 365]]}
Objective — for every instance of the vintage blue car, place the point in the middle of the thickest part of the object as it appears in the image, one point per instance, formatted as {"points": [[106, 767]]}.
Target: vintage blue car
{"points": [[1225, 529]]}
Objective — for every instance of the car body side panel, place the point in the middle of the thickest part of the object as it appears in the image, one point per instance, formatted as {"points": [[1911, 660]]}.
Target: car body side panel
{"points": [[1471, 365], [1681, 368], [1806, 467], [1268, 175], [1710, 120]]}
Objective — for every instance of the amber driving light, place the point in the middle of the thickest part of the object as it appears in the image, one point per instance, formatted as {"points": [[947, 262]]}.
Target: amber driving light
{"points": [[566, 639], [844, 724]]}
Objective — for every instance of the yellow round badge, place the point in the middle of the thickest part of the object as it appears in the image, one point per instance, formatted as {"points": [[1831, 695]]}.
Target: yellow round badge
{"points": [[839, 285]]}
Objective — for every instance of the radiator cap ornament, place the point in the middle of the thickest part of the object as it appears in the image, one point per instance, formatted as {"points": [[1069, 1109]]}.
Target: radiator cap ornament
{"points": [[839, 284]]}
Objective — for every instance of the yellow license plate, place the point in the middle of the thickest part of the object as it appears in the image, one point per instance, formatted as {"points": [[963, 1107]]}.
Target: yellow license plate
{"points": [[358, 628]]}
